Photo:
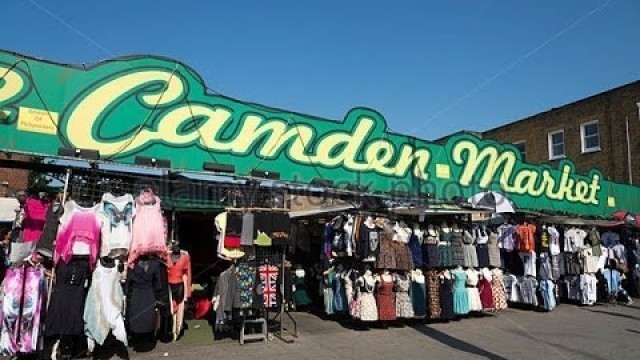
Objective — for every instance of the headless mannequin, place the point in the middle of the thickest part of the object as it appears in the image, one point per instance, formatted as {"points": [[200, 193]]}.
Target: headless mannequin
{"points": [[180, 290]]}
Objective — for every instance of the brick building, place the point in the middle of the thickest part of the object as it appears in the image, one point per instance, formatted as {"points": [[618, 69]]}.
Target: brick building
{"points": [[591, 132], [13, 180]]}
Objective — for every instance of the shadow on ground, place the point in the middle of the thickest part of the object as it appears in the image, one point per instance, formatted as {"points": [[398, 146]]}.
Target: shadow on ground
{"points": [[456, 343]]}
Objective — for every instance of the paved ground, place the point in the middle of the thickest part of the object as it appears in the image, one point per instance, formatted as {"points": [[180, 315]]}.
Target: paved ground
{"points": [[570, 332]]}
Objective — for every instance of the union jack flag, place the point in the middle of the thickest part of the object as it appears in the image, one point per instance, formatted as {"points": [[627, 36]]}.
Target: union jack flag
{"points": [[269, 280]]}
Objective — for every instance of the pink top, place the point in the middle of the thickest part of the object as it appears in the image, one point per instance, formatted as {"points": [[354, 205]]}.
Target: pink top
{"points": [[78, 224], [148, 228], [35, 214]]}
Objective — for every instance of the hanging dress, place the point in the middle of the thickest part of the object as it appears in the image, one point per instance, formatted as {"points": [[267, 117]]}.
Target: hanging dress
{"points": [[447, 303], [404, 306], [445, 251], [486, 292], [415, 245], [387, 256], [300, 295], [384, 298], [149, 232], [76, 254], [469, 249], [366, 300], [460, 294], [457, 248], [498, 290], [430, 249], [418, 295], [433, 294], [66, 307], [482, 247], [144, 283], [475, 304], [494, 250]]}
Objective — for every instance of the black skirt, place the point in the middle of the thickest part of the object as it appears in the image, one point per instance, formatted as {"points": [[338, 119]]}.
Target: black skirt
{"points": [[66, 308]]}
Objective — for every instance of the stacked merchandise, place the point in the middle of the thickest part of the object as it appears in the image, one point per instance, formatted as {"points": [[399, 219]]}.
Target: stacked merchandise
{"points": [[382, 270]]}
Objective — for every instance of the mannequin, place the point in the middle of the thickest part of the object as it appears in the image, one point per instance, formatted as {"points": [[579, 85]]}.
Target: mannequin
{"points": [[179, 271], [417, 276]]}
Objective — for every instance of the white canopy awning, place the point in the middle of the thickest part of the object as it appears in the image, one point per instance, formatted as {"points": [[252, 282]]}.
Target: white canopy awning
{"points": [[8, 208]]}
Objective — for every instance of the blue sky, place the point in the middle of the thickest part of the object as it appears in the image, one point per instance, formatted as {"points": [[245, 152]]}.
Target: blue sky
{"points": [[431, 68]]}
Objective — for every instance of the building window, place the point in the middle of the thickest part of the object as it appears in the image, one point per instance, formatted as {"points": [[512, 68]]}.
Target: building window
{"points": [[590, 135], [556, 145], [522, 149]]}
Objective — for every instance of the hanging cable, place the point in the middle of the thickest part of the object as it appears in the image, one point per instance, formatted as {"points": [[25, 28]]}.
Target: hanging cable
{"points": [[144, 123], [29, 74]]}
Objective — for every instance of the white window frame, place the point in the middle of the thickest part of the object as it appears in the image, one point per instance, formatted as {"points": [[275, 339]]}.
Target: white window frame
{"points": [[550, 145], [525, 148], [583, 140]]}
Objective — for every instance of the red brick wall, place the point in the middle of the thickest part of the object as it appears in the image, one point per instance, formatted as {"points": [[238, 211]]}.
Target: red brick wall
{"points": [[12, 180], [609, 108]]}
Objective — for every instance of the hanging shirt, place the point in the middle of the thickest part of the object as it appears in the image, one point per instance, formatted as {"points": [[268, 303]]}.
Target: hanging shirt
{"points": [[116, 218], [149, 232], [269, 280], [526, 237], [78, 234], [609, 239], [554, 240], [507, 237], [35, 215]]}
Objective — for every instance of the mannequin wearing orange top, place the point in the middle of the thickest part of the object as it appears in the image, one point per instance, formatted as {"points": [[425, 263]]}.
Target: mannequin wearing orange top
{"points": [[179, 270]]}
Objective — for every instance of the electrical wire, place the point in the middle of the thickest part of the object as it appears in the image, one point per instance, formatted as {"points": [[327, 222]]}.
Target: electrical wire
{"points": [[144, 123], [29, 74]]}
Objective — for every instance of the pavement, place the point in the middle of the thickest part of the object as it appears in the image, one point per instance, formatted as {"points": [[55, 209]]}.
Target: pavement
{"points": [[569, 332]]}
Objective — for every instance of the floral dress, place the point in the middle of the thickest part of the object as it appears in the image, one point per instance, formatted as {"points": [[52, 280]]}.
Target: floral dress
{"points": [[404, 306], [497, 288], [367, 308]]}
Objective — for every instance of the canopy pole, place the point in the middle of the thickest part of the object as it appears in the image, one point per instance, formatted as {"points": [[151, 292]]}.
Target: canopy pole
{"points": [[67, 177]]}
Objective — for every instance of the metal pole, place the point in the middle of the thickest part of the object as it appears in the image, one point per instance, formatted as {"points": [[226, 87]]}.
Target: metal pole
{"points": [[63, 200], [628, 151]]}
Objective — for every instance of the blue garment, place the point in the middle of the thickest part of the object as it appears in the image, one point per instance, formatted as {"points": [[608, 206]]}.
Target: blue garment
{"points": [[460, 294], [613, 280], [548, 296], [416, 251], [339, 294]]}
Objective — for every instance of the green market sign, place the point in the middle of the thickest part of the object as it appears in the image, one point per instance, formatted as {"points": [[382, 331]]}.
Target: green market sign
{"points": [[158, 107]]}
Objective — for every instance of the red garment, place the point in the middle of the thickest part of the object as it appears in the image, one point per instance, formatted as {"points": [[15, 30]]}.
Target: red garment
{"points": [[525, 237], [232, 242], [386, 304], [35, 215], [486, 294], [177, 270], [203, 307]]}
